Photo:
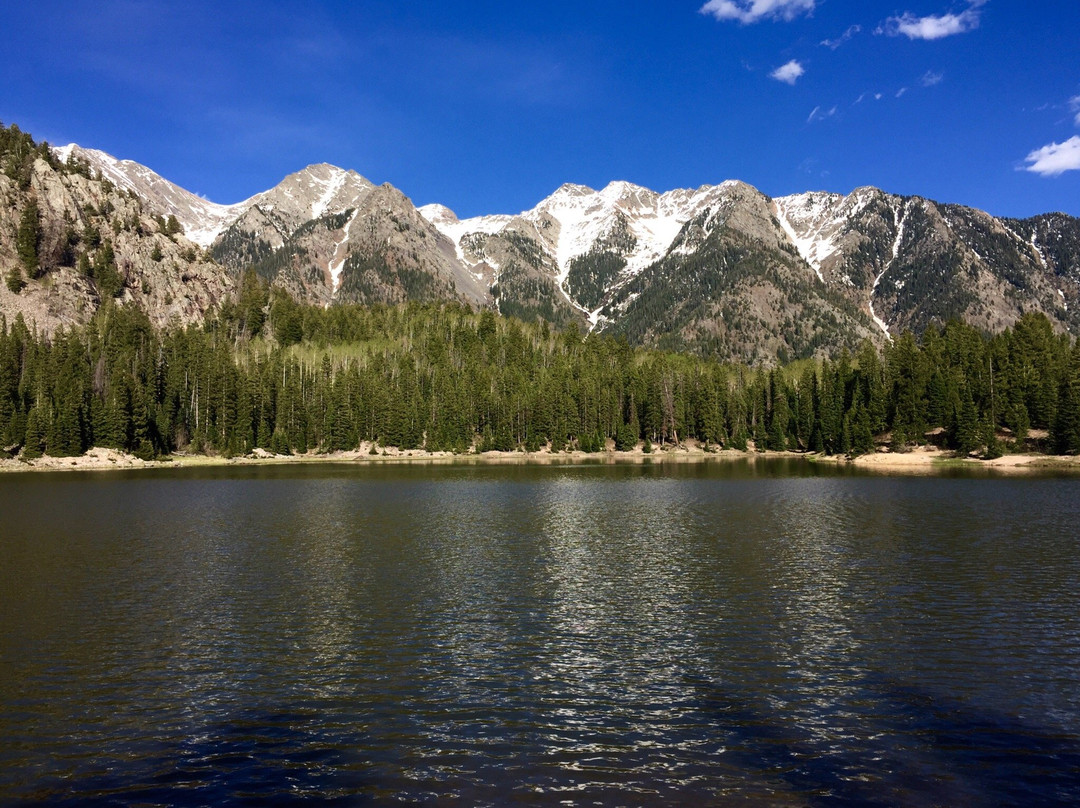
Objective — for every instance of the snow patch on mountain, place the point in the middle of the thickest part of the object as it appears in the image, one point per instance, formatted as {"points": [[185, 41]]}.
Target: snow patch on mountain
{"points": [[447, 223], [331, 185], [812, 222], [1038, 250], [900, 219], [654, 220], [307, 194], [583, 215], [571, 222], [341, 252]]}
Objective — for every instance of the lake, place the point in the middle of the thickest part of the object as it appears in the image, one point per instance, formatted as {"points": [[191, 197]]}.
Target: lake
{"points": [[771, 633]]}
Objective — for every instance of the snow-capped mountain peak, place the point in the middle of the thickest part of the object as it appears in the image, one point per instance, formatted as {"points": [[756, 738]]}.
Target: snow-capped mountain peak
{"points": [[614, 257], [307, 194], [314, 191], [437, 214], [201, 219], [814, 221]]}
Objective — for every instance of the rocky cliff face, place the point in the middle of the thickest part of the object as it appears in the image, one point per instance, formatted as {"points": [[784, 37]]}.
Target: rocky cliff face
{"points": [[723, 270], [361, 244], [92, 241], [911, 261]]}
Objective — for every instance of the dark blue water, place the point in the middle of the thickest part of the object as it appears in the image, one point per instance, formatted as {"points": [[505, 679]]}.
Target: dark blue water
{"points": [[689, 635]]}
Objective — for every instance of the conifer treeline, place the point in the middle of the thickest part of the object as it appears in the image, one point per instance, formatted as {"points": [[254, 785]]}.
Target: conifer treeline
{"points": [[268, 372]]}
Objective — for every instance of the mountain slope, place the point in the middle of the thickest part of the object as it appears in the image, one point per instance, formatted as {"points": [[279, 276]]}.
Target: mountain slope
{"points": [[732, 285], [912, 261], [719, 269], [70, 241]]}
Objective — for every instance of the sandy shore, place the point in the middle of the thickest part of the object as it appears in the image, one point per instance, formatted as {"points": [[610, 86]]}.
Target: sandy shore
{"points": [[929, 459], [922, 460]]}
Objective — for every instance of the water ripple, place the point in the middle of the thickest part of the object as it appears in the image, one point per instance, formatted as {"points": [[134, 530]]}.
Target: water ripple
{"points": [[597, 635]]}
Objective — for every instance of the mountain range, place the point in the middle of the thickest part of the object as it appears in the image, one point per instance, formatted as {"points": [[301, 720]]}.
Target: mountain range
{"points": [[721, 270]]}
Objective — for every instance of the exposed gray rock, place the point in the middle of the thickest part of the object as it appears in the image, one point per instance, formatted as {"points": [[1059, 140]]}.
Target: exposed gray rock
{"points": [[722, 269]]}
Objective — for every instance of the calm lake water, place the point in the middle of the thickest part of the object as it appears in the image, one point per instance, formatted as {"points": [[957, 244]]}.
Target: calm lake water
{"points": [[723, 634]]}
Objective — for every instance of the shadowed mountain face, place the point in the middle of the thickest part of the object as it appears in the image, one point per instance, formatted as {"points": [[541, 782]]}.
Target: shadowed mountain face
{"points": [[721, 270]]}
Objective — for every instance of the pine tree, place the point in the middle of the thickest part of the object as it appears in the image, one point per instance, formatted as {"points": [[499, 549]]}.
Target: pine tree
{"points": [[862, 438], [36, 427], [106, 273], [967, 424], [279, 443], [28, 239], [1065, 433], [990, 441], [14, 280], [779, 413]]}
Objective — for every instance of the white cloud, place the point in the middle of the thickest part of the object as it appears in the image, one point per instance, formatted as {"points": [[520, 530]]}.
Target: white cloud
{"points": [[933, 27], [930, 78], [877, 96], [833, 44], [820, 115], [1055, 159], [1074, 105], [900, 92], [750, 11], [788, 73]]}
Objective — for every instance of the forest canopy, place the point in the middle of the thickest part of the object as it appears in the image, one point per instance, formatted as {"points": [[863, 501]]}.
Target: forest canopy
{"points": [[269, 372]]}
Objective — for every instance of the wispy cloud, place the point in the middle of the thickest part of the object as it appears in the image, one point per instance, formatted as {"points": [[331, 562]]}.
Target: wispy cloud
{"points": [[933, 26], [1055, 158], [751, 11], [789, 73], [900, 92], [1074, 105], [820, 114], [931, 79], [833, 44]]}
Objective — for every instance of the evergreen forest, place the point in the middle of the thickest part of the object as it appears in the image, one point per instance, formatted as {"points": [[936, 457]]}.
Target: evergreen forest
{"points": [[269, 372]]}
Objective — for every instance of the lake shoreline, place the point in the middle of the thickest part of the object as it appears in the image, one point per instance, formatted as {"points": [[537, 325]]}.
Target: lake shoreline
{"points": [[921, 460]]}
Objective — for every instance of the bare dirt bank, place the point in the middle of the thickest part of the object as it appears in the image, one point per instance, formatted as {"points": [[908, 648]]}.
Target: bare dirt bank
{"points": [[922, 460]]}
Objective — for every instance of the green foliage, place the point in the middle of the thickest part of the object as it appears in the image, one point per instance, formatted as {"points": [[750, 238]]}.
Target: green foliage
{"points": [[529, 295], [287, 318], [28, 239], [440, 375], [387, 277], [14, 280], [237, 249], [687, 302], [1066, 429], [105, 272], [590, 274], [18, 151], [253, 298]]}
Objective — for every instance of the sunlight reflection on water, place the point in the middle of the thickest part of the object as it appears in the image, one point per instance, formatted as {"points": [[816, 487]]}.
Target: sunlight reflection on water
{"points": [[479, 636]]}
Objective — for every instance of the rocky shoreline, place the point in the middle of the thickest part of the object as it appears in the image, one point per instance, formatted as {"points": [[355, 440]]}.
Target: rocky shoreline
{"points": [[922, 460]]}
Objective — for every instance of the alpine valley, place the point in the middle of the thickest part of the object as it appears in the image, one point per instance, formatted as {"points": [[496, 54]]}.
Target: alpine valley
{"points": [[721, 270]]}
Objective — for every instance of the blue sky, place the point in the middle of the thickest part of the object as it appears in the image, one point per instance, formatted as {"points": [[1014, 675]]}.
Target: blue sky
{"points": [[487, 107]]}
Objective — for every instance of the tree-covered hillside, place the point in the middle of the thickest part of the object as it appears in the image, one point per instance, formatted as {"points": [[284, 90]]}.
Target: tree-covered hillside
{"points": [[268, 372]]}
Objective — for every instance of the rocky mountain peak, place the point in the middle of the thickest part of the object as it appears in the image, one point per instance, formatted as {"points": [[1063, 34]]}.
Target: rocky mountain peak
{"points": [[719, 268], [438, 214]]}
